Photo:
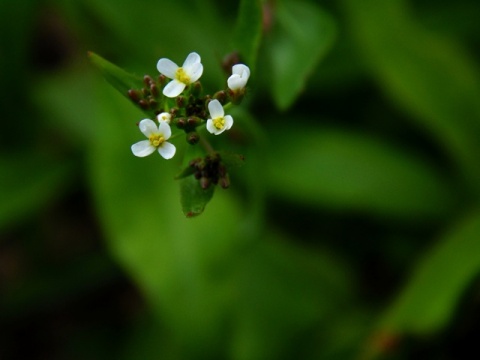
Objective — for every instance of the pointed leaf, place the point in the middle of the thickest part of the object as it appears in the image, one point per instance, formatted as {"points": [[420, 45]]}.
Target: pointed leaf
{"points": [[193, 197], [303, 36], [248, 31], [430, 298]]}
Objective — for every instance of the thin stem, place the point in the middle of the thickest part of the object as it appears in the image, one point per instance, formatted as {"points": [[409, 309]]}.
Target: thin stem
{"points": [[207, 145]]}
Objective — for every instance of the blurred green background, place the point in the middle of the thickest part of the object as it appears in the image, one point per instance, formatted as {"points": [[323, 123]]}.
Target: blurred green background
{"points": [[352, 231]]}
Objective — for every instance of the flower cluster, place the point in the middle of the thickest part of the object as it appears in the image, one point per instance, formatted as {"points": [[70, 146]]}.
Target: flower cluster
{"points": [[176, 102]]}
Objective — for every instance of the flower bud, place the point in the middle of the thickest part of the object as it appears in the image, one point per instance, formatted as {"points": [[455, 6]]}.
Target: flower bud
{"points": [[196, 89], [147, 80], [220, 96], [180, 100], [204, 183], [154, 89], [134, 95], [180, 122], [193, 138], [144, 104]]}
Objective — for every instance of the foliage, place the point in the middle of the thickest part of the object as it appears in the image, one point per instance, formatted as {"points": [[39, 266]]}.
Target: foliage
{"points": [[351, 228]]}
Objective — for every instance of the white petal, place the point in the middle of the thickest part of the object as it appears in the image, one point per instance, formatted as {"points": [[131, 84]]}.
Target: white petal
{"points": [[210, 127], [164, 129], [215, 108], [173, 88], [240, 69], [167, 150], [142, 148], [164, 116], [236, 82], [191, 59], [167, 67], [147, 127], [194, 71], [228, 121]]}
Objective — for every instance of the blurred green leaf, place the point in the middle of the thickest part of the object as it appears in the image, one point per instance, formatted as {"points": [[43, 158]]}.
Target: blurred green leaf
{"points": [[117, 77], [248, 32], [431, 76], [431, 296], [193, 197], [28, 182], [173, 259], [302, 36], [347, 170]]}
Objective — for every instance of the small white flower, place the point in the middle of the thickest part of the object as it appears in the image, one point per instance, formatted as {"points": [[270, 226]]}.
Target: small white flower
{"points": [[239, 77], [157, 139], [190, 72], [219, 121], [164, 116]]}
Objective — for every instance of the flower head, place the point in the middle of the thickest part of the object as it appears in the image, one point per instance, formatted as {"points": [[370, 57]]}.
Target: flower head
{"points": [[219, 122], [190, 72], [164, 116], [157, 140], [239, 77]]}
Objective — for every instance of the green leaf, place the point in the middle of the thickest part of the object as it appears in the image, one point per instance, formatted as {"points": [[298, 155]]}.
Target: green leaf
{"points": [[29, 181], [430, 76], [232, 160], [171, 258], [117, 77], [248, 31], [303, 35], [193, 197], [348, 170], [431, 296]]}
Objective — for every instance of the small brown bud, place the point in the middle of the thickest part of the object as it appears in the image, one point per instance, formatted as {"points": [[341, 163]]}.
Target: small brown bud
{"points": [[134, 95], [193, 138], [154, 89], [143, 104], [147, 80], [204, 183]]}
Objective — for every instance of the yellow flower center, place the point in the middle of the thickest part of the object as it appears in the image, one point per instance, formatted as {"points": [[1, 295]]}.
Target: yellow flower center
{"points": [[219, 122], [156, 139], [182, 76]]}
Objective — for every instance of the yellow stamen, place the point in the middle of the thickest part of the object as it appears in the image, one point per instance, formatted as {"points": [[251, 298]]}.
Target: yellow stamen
{"points": [[156, 139], [182, 76], [219, 122]]}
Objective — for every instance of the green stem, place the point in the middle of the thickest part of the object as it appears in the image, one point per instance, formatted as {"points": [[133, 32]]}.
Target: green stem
{"points": [[207, 145]]}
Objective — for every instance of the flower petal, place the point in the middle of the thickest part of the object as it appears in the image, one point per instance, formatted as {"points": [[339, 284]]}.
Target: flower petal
{"points": [[164, 129], [164, 116], [215, 108], [173, 88], [147, 127], [228, 122], [195, 71], [236, 82], [167, 150], [191, 59], [210, 127], [240, 69], [167, 67], [142, 148]]}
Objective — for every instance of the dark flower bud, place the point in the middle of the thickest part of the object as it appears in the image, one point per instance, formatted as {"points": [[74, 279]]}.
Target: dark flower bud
{"points": [[204, 183], [147, 80], [224, 181], [143, 104], [193, 138], [162, 80], [134, 95], [154, 89], [220, 96], [180, 122], [196, 89], [180, 100]]}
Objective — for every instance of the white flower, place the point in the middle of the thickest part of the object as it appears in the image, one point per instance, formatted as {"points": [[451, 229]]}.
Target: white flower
{"points": [[218, 123], [239, 77], [164, 116], [190, 72], [157, 139]]}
